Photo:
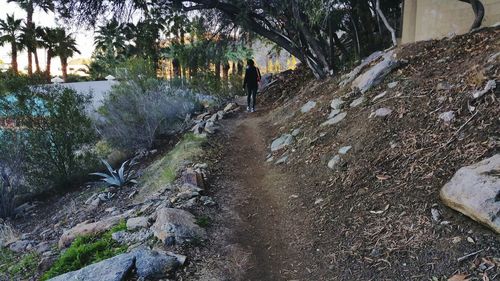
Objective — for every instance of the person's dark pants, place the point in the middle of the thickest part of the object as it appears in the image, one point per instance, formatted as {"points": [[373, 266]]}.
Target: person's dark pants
{"points": [[251, 95]]}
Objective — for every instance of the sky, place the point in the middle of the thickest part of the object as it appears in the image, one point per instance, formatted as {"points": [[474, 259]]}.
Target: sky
{"points": [[84, 38]]}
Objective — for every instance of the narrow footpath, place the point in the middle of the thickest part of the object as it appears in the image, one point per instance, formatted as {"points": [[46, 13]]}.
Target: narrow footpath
{"points": [[266, 206]]}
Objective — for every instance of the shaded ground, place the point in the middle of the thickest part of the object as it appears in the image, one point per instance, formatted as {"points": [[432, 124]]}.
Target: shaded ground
{"points": [[370, 217]]}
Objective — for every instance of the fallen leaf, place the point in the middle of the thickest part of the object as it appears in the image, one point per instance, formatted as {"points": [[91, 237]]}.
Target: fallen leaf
{"points": [[458, 277], [470, 240]]}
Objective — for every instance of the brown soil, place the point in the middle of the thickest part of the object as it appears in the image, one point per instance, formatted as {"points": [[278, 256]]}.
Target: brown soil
{"points": [[374, 220]]}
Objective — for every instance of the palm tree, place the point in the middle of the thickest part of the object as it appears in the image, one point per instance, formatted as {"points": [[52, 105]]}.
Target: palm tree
{"points": [[11, 29], [111, 38], [29, 6], [66, 48], [49, 42]]}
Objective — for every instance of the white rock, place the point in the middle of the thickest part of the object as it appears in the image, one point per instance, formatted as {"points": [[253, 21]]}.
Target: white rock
{"points": [[335, 119], [137, 222], [376, 73], [344, 149], [282, 160], [334, 113], [334, 161], [346, 79], [392, 84], [308, 106], [379, 96], [336, 103], [357, 101], [447, 117], [474, 191], [281, 142], [229, 107], [381, 112], [490, 85], [296, 132]]}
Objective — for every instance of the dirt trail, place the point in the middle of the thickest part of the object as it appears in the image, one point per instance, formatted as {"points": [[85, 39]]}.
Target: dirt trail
{"points": [[270, 224]]}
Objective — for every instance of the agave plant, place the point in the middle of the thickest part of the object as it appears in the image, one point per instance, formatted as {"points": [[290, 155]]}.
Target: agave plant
{"points": [[121, 177]]}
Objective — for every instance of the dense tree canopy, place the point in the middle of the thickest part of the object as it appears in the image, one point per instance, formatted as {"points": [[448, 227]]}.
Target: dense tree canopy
{"points": [[308, 29]]}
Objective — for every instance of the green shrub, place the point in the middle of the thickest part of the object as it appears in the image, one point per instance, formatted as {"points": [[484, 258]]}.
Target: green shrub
{"points": [[136, 113], [55, 132], [86, 250], [17, 266], [203, 221]]}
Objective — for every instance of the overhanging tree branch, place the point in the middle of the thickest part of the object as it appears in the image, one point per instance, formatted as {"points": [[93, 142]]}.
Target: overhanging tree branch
{"points": [[478, 9]]}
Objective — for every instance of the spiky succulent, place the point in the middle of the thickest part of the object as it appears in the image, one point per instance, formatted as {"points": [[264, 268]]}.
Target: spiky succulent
{"points": [[123, 176]]}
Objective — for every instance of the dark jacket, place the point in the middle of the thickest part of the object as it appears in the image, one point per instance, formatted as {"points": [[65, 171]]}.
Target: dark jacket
{"points": [[252, 77]]}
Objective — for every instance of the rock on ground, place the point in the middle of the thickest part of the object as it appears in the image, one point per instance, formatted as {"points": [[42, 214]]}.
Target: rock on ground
{"points": [[281, 142], [128, 238], [335, 119], [336, 103], [346, 79], [176, 226], [333, 162], [357, 101], [137, 222], [474, 191], [381, 112], [376, 73], [151, 264], [86, 228], [113, 269], [447, 116], [308, 106]]}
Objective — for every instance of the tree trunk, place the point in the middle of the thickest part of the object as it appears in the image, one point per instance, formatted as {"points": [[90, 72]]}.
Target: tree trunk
{"points": [[387, 25], [14, 57], [37, 63], [29, 25], [64, 66], [478, 9], [176, 65], [311, 42], [225, 71], [217, 70], [47, 67]]}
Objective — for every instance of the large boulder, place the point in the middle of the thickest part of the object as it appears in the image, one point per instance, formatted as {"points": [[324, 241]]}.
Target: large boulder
{"points": [[475, 191], [281, 142], [151, 264], [137, 223], [376, 73], [113, 269], [89, 228], [176, 226]]}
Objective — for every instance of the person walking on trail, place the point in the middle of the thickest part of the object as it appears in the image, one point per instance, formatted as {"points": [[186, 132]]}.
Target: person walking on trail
{"points": [[251, 84]]}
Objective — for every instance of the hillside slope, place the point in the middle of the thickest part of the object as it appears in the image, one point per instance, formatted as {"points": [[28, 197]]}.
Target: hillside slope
{"points": [[367, 215]]}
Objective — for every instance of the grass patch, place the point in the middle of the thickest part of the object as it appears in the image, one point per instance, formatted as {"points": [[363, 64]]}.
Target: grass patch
{"points": [[86, 250], [164, 171], [203, 221], [23, 267]]}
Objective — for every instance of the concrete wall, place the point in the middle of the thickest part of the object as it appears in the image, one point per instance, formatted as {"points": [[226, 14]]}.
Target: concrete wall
{"points": [[433, 19]]}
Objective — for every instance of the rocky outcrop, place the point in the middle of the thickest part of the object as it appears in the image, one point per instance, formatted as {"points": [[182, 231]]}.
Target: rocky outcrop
{"points": [[145, 263], [475, 191], [175, 226], [376, 73], [113, 269], [152, 264], [89, 228]]}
